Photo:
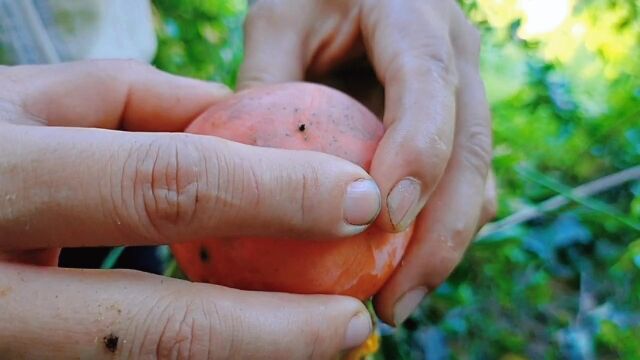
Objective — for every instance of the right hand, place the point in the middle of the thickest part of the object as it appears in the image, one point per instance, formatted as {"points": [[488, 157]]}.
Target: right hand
{"points": [[416, 63], [71, 184]]}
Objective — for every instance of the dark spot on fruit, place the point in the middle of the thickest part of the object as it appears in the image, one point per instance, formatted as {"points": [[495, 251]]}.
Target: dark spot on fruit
{"points": [[110, 343], [302, 127], [204, 254]]}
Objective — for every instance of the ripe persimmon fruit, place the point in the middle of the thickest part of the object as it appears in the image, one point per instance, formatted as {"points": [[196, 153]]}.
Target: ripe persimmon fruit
{"points": [[299, 116]]}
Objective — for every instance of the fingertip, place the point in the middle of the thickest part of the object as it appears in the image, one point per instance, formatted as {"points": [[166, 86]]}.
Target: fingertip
{"points": [[395, 308], [404, 202], [352, 305], [383, 305], [357, 322], [358, 330], [401, 206], [401, 295], [408, 171], [362, 202], [329, 323], [407, 304]]}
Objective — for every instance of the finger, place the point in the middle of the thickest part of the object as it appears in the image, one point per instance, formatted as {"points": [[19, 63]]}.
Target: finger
{"points": [[288, 41], [64, 187], [274, 48], [489, 204], [42, 257], [109, 94], [64, 314], [414, 61], [445, 228]]}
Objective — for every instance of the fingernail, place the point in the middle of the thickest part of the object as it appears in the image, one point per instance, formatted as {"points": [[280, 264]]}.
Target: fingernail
{"points": [[358, 330], [362, 202], [402, 203], [407, 304]]}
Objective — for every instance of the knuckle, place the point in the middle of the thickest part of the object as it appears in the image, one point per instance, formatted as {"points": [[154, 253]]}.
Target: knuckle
{"points": [[476, 149], [162, 180], [430, 154], [432, 60], [235, 185], [169, 185], [175, 329], [438, 153]]}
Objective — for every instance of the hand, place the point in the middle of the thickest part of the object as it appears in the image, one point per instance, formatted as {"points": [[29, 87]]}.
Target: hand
{"points": [[73, 184], [432, 164]]}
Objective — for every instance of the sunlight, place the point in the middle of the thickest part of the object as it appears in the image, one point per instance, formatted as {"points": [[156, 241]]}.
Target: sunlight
{"points": [[543, 16]]}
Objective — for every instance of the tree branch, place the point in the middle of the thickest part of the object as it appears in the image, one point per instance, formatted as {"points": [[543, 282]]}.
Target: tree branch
{"points": [[558, 201]]}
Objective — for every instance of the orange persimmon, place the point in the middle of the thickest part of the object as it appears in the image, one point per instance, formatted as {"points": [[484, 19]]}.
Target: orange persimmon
{"points": [[300, 116]]}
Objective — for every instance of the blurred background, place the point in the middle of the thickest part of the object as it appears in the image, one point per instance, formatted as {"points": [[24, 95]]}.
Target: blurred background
{"points": [[557, 275]]}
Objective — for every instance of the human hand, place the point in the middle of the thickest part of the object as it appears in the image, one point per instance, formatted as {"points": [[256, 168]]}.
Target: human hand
{"points": [[79, 182], [432, 164]]}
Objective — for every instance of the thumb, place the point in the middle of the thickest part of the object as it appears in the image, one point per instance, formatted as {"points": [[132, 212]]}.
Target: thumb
{"points": [[102, 314]]}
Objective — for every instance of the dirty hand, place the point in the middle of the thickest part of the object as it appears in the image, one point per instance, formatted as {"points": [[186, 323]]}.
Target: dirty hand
{"points": [[68, 177], [433, 162]]}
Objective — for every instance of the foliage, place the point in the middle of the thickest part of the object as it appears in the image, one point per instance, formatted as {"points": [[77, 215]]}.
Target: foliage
{"points": [[565, 96], [200, 38]]}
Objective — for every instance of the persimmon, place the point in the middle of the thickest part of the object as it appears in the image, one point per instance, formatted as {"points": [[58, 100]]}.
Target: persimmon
{"points": [[299, 116]]}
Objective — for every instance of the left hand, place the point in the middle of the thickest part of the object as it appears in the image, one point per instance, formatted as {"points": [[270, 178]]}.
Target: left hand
{"points": [[69, 176], [433, 162]]}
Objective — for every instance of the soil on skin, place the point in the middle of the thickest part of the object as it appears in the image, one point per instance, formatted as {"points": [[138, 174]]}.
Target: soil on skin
{"points": [[111, 343]]}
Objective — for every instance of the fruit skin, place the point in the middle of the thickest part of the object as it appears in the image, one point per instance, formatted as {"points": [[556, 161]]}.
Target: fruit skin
{"points": [[299, 116]]}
